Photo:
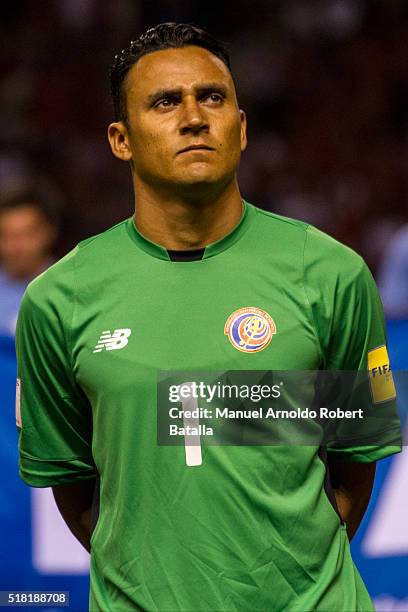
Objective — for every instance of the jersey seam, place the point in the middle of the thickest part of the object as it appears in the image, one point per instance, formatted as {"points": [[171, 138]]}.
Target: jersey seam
{"points": [[308, 304], [48, 481], [352, 280], [52, 459], [394, 428], [373, 453], [89, 241], [288, 220]]}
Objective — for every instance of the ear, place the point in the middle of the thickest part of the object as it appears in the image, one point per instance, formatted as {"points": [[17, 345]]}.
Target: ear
{"points": [[119, 140], [244, 141]]}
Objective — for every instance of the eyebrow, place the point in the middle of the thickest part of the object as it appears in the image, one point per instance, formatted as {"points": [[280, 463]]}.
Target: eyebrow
{"points": [[176, 92]]}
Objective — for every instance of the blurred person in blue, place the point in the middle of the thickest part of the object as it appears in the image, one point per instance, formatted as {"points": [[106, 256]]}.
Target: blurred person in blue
{"points": [[393, 276], [28, 231]]}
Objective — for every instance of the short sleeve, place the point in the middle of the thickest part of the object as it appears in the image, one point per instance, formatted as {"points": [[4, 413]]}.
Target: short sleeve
{"points": [[349, 320], [54, 415]]}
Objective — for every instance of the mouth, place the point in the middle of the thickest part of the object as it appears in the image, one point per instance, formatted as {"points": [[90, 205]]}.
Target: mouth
{"points": [[196, 147]]}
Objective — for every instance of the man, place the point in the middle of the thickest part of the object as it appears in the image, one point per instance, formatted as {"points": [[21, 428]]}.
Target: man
{"points": [[187, 284], [393, 275], [28, 229]]}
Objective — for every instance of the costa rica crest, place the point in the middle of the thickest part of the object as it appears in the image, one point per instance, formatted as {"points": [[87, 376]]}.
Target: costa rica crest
{"points": [[250, 329]]}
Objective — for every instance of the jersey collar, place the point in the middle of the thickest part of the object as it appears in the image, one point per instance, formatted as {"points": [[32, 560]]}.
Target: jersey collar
{"points": [[160, 252]]}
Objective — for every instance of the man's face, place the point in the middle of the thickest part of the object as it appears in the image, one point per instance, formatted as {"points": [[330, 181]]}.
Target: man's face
{"points": [[25, 240], [184, 127]]}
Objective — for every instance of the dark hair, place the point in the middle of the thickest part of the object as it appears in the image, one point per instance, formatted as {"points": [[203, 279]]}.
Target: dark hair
{"points": [[42, 197], [162, 36]]}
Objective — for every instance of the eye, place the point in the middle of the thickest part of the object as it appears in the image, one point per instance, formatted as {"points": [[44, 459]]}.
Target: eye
{"points": [[214, 97], [164, 103]]}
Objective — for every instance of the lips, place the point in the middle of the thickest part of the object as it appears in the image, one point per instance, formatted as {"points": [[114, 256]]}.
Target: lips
{"points": [[196, 147]]}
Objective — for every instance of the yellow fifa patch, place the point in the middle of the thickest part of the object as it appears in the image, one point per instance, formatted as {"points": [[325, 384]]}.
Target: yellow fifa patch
{"points": [[380, 375]]}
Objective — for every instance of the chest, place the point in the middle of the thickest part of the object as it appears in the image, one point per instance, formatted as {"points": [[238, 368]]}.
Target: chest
{"points": [[189, 317]]}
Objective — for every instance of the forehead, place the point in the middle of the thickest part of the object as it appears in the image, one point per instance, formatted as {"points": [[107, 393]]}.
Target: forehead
{"points": [[21, 214], [184, 68]]}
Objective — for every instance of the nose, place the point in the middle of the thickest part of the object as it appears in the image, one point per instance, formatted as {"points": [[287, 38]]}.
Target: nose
{"points": [[193, 118]]}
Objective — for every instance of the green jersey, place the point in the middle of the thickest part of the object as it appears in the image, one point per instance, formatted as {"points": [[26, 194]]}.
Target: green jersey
{"points": [[246, 527]]}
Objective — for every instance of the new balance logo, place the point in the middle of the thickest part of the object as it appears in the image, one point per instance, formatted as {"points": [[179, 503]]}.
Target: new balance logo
{"points": [[114, 341]]}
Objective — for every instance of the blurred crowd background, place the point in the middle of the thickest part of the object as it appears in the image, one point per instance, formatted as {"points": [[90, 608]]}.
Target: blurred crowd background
{"points": [[325, 87], [324, 84]]}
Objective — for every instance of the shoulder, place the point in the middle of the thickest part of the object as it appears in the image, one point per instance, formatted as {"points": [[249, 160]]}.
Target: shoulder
{"points": [[314, 247], [99, 243], [86, 259], [272, 222], [325, 252]]}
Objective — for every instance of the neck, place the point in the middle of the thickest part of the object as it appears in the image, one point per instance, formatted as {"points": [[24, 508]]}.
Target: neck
{"points": [[179, 222]]}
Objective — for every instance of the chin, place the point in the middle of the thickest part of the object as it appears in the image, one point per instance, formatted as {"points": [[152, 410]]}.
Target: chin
{"points": [[201, 182], [201, 175], [197, 189]]}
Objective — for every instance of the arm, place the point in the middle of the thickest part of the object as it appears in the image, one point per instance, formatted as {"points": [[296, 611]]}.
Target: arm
{"points": [[74, 502], [55, 424], [352, 483]]}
